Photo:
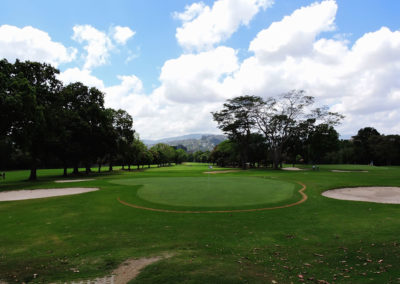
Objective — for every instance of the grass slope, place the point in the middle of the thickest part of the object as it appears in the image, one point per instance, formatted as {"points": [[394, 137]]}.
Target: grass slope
{"points": [[321, 239]]}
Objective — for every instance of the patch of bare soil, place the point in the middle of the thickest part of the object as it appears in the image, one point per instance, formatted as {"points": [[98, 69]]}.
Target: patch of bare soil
{"points": [[72, 180], [345, 171], [222, 172], [389, 195], [131, 268], [127, 271], [42, 193]]}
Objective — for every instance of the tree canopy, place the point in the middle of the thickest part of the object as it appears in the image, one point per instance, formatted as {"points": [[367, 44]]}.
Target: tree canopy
{"points": [[280, 120]]}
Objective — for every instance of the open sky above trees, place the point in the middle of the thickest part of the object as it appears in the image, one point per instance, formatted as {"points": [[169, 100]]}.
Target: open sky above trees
{"points": [[171, 63]]}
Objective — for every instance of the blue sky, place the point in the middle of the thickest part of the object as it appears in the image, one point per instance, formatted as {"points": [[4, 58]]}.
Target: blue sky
{"points": [[153, 54]]}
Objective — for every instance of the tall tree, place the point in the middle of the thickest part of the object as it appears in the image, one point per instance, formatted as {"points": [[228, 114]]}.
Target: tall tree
{"points": [[237, 119], [280, 119], [322, 140], [87, 124], [123, 135], [362, 145], [35, 129]]}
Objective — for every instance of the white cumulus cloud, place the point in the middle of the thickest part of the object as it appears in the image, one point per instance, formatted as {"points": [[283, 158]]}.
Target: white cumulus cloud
{"points": [[72, 75], [29, 43], [122, 34], [294, 34], [359, 80], [98, 45], [198, 77], [204, 26]]}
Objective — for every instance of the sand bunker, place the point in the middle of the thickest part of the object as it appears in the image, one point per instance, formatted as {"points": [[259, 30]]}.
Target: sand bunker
{"points": [[390, 195], [222, 172], [42, 193], [345, 171], [292, 169], [73, 180]]}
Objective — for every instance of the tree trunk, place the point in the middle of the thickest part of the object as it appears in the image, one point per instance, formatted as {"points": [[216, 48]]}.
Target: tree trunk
{"points": [[76, 171], [65, 171], [276, 158], [110, 167], [99, 168], [33, 175], [129, 167]]}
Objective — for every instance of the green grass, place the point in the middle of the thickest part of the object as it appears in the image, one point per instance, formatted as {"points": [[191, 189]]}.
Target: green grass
{"points": [[321, 239], [211, 191]]}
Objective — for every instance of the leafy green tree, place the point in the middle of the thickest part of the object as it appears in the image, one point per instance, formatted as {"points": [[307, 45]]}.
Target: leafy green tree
{"points": [[197, 156], [180, 156], [322, 140], [362, 146], [225, 154], [237, 119], [10, 99], [36, 91], [164, 154], [282, 118], [123, 135], [89, 125], [385, 149]]}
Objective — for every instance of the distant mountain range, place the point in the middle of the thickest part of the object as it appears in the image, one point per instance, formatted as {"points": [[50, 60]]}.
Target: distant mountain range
{"points": [[192, 142]]}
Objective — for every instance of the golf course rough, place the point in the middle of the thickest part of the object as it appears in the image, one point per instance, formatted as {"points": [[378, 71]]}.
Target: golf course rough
{"points": [[222, 193]]}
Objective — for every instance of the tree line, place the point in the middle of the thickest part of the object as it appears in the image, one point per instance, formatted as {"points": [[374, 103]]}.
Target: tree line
{"points": [[46, 124], [273, 127], [271, 131]]}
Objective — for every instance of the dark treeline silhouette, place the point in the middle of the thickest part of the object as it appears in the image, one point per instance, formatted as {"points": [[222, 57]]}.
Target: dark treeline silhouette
{"points": [[368, 147], [45, 124]]}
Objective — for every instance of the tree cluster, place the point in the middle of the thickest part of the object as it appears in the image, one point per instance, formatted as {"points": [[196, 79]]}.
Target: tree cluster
{"points": [[368, 147], [273, 129], [43, 121]]}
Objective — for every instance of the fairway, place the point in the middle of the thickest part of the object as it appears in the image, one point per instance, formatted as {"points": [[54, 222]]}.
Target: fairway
{"points": [[233, 238], [211, 191]]}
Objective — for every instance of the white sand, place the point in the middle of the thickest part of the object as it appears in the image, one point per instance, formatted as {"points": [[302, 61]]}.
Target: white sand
{"points": [[72, 180], [390, 195], [42, 193], [222, 172], [345, 171], [292, 169]]}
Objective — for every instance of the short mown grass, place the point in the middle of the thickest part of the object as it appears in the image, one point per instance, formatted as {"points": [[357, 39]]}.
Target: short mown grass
{"points": [[320, 239]]}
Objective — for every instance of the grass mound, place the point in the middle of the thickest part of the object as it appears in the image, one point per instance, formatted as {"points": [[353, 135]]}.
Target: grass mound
{"points": [[211, 192]]}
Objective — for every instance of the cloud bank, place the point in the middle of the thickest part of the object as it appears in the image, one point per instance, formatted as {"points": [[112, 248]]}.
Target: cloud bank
{"points": [[300, 51]]}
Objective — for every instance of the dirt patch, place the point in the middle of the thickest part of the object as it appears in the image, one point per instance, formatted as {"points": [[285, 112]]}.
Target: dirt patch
{"points": [[389, 195], [42, 193], [72, 180], [131, 268], [345, 171], [127, 271], [222, 172], [292, 169]]}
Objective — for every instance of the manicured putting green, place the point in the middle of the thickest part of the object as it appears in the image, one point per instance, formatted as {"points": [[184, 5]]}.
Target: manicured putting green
{"points": [[211, 191]]}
